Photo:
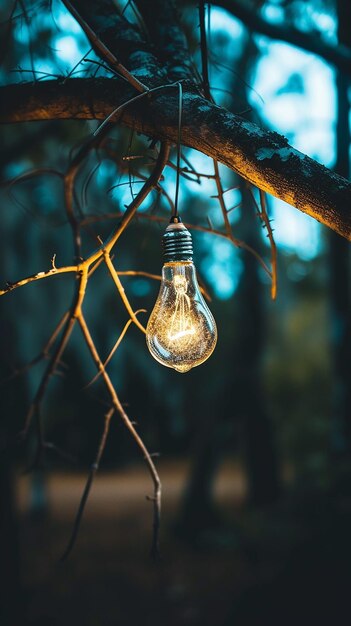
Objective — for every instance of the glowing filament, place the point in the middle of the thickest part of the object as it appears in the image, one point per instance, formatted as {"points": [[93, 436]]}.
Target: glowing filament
{"points": [[181, 332], [181, 324]]}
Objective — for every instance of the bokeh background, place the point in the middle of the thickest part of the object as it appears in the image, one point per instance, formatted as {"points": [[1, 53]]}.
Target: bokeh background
{"points": [[255, 445]]}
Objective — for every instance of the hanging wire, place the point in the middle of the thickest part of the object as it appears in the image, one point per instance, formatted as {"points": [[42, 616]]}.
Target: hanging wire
{"points": [[180, 111]]}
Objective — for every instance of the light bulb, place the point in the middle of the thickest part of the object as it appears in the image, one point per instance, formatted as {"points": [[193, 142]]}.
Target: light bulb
{"points": [[181, 332]]}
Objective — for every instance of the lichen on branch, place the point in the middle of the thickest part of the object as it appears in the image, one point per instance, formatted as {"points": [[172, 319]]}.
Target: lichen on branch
{"points": [[262, 157]]}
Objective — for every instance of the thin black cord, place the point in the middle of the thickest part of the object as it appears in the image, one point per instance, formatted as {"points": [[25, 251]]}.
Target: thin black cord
{"points": [[180, 111]]}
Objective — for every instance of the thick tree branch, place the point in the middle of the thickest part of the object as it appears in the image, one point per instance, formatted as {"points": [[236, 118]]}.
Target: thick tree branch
{"points": [[167, 37], [100, 46], [264, 158], [337, 55], [114, 37]]}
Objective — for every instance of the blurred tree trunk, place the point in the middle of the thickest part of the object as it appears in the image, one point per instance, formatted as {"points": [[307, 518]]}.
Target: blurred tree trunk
{"points": [[11, 406], [11, 606], [340, 275], [198, 509], [258, 436], [10, 602]]}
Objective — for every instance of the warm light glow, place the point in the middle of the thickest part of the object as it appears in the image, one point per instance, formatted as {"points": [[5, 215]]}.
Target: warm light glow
{"points": [[181, 332]]}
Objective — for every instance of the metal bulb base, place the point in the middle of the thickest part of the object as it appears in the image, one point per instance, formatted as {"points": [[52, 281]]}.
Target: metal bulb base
{"points": [[177, 242]]}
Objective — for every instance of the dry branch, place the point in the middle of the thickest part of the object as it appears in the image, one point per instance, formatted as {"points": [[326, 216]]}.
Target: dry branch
{"points": [[148, 67], [83, 271], [156, 499], [238, 243], [114, 275], [92, 473], [34, 409]]}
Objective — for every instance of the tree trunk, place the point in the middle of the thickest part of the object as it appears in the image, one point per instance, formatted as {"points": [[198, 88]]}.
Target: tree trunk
{"points": [[11, 605], [340, 275], [263, 483], [259, 446]]}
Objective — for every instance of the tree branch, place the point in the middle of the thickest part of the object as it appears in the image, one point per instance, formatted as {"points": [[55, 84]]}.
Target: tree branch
{"points": [[83, 271], [35, 406], [118, 42], [39, 276], [92, 473], [120, 289], [156, 498], [339, 56], [262, 157], [168, 38]]}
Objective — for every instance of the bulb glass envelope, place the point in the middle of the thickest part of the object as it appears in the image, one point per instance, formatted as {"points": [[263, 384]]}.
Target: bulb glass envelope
{"points": [[181, 332]]}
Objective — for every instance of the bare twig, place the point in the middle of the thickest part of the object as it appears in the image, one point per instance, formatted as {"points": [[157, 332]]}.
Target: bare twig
{"points": [[217, 177], [83, 270], [42, 355], [121, 291], [38, 276], [30, 43], [106, 53], [263, 215], [34, 409], [146, 455], [238, 243], [84, 265], [255, 148], [267, 223], [92, 473], [69, 180], [115, 347]]}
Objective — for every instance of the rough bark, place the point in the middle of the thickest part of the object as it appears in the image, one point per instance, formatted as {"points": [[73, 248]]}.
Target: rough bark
{"points": [[107, 29], [262, 157], [167, 37]]}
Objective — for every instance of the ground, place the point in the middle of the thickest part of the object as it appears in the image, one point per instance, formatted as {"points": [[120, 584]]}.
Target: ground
{"points": [[109, 578]]}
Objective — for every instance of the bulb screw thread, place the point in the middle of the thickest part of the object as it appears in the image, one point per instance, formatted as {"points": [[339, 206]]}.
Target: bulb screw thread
{"points": [[177, 242]]}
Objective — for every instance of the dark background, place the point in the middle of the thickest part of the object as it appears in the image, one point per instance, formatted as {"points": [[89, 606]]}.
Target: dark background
{"points": [[254, 445]]}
